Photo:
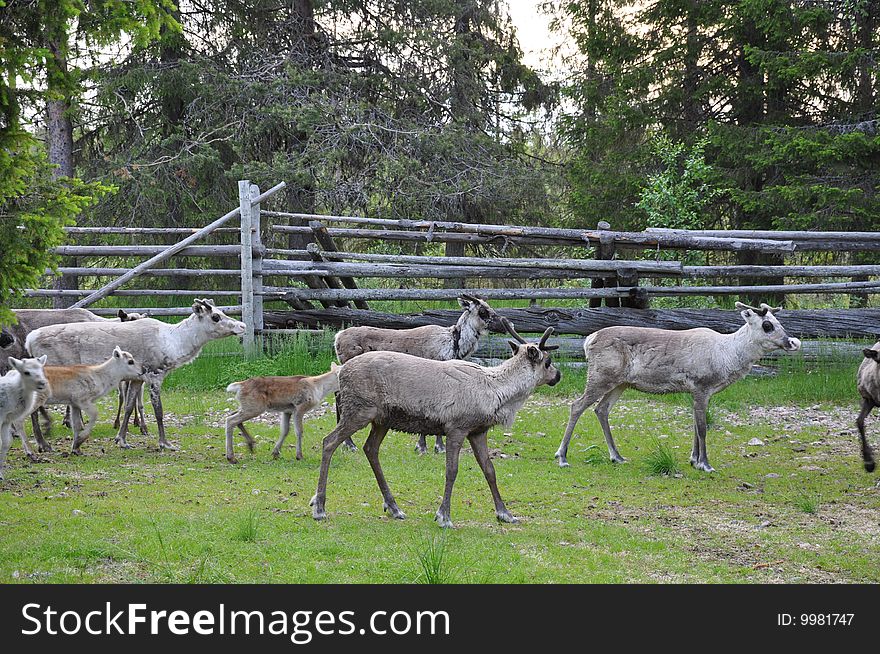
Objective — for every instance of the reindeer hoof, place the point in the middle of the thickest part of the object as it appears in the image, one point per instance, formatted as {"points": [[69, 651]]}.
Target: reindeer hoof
{"points": [[165, 445], [45, 448], [870, 466], [276, 454], [250, 447], [439, 449], [351, 447], [396, 513], [319, 514], [231, 458], [704, 466], [33, 457], [421, 449], [299, 456], [507, 517], [618, 459], [562, 461], [443, 520]]}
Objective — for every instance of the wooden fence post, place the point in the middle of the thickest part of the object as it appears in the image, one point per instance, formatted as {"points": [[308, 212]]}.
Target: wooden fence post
{"points": [[247, 264], [604, 250], [257, 258]]}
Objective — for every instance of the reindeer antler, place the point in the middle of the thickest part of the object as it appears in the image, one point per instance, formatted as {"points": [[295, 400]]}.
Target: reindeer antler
{"points": [[510, 330], [761, 312], [543, 343]]}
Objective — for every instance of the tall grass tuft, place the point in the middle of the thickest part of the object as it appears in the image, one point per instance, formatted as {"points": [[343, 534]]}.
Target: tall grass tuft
{"points": [[807, 502], [661, 461], [247, 527], [433, 561]]}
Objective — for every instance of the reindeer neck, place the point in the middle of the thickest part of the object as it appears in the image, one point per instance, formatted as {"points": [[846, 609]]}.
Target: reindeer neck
{"points": [[190, 339], [326, 383], [741, 348], [465, 337]]}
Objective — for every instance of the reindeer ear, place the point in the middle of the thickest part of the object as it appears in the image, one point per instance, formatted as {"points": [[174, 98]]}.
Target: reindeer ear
{"points": [[513, 346], [15, 363], [197, 307], [464, 301], [870, 354], [117, 352], [534, 354], [122, 315], [42, 359]]}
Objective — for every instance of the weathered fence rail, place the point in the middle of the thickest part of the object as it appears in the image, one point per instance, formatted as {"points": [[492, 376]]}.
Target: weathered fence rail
{"points": [[825, 323], [327, 282]]}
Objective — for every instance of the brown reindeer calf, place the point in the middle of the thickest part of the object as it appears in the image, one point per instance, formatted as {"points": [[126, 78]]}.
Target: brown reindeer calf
{"points": [[289, 396]]}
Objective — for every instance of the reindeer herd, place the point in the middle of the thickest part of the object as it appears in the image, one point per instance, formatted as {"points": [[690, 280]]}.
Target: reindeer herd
{"points": [[410, 380]]}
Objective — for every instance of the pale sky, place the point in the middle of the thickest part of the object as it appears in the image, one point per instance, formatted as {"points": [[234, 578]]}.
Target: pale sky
{"points": [[533, 31]]}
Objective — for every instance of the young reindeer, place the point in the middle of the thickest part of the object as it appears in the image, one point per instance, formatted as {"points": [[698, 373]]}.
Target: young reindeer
{"points": [[18, 393], [289, 396], [868, 382], [458, 341], [391, 390], [80, 386], [700, 362]]}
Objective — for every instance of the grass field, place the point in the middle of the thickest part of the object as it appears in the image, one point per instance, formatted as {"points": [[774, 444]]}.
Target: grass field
{"points": [[799, 507]]}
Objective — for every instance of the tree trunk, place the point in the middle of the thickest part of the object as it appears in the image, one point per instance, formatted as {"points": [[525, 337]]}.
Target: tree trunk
{"points": [[59, 139]]}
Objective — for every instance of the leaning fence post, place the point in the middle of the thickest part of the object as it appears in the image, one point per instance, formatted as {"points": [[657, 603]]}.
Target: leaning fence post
{"points": [[257, 263], [247, 264]]}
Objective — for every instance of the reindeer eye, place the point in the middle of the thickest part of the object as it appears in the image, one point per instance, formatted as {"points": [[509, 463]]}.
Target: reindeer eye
{"points": [[27, 374], [547, 363], [767, 326], [484, 314], [215, 318]]}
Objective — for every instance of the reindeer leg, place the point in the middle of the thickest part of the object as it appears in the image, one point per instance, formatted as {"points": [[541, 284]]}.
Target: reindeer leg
{"points": [[346, 427], [120, 402], [130, 400], [140, 414], [701, 404], [42, 444], [285, 430], [298, 428], [371, 449], [25, 445], [603, 409], [156, 400], [867, 453], [5, 442], [480, 447], [422, 445], [589, 398], [453, 448]]}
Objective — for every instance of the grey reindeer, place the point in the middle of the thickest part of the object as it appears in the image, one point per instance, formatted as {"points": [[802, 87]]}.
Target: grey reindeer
{"points": [[700, 362], [391, 390], [458, 341], [868, 383]]}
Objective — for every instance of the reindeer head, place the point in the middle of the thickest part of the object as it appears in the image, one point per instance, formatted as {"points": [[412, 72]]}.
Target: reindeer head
{"points": [[127, 365], [766, 329], [479, 314], [537, 355], [216, 323], [31, 370]]}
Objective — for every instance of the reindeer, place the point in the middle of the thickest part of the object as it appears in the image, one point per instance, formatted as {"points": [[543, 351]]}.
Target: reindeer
{"points": [[80, 386], [868, 383], [18, 393], [700, 362], [392, 390], [458, 341], [290, 396]]}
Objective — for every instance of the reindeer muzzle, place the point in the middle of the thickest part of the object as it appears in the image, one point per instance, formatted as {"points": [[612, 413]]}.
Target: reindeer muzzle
{"points": [[792, 344]]}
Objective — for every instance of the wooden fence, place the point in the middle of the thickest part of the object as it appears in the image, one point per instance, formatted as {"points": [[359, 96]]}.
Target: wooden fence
{"points": [[316, 271]]}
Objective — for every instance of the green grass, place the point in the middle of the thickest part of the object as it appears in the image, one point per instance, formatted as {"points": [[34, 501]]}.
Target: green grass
{"points": [[800, 503], [661, 461]]}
